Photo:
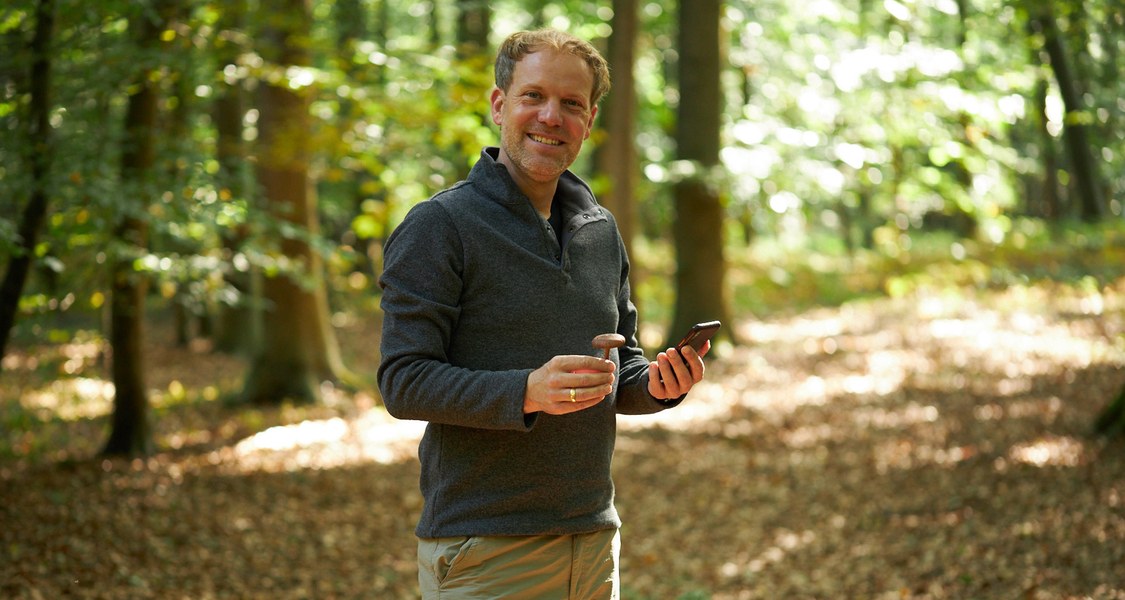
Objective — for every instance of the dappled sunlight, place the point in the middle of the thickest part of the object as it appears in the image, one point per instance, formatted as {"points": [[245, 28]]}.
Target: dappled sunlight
{"points": [[904, 453], [868, 447], [71, 399], [373, 436], [707, 402], [934, 386], [784, 542], [1045, 408], [71, 357], [895, 418], [1049, 451]]}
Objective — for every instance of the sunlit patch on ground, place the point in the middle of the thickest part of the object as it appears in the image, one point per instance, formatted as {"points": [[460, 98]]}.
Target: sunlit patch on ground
{"points": [[1049, 451], [902, 454], [328, 443], [783, 543], [905, 449], [71, 399], [865, 356]]}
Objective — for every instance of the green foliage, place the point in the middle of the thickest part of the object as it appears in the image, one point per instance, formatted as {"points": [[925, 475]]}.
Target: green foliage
{"points": [[769, 280]]}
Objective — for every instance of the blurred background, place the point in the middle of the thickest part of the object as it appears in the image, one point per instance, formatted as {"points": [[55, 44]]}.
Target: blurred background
{"points": [[194, 196]]}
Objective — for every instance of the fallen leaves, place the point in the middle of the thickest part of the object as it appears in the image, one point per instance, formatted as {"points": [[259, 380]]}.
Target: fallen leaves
{"points": [[893, 449]]}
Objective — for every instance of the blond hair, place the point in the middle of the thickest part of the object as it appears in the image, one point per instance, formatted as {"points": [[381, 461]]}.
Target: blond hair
{"points": [[522, 43]]}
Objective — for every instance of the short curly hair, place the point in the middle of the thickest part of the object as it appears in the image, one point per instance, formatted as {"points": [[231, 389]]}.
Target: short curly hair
{"points": [[522, 43]]}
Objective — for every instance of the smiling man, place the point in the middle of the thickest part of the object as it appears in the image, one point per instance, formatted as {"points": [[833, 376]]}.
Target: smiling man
{"points": [[492, 292], [544, 103]]}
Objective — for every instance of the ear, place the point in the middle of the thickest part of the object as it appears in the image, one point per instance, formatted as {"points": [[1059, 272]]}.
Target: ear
{"points": [[590, 123], [497, 102]]}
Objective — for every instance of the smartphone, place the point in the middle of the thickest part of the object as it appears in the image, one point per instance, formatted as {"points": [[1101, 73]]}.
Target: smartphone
{"points": [[699, 334]]}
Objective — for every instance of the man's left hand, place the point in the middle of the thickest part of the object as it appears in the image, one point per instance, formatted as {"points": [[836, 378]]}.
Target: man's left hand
{"points": [[673, 373]]}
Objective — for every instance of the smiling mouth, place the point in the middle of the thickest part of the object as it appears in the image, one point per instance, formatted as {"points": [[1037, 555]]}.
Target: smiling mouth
{"points": [[544, 140]]}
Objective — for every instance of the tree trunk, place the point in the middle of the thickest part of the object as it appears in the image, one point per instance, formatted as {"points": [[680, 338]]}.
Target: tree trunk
{"points": [[39, 157], [1111, 422], [698, 227], [617, 155], [1049, 207], [1075, 134], [474, 18], [176, 131], [351, 25], [474, 21], [962, 23], [131, 433], [239, 322], [299, 347]]}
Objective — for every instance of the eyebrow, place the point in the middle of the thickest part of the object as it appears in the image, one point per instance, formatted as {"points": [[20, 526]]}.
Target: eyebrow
{"points": [[584, 99]]}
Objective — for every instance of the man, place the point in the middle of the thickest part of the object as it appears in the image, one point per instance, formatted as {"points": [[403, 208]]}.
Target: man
{"points": [[492, 292]]}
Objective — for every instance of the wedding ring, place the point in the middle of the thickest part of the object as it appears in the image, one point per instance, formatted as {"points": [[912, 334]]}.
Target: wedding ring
{"points": [[572, 398]]}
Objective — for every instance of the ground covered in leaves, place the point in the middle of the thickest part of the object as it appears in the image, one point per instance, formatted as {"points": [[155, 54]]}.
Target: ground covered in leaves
{"points": [[931, 447]]}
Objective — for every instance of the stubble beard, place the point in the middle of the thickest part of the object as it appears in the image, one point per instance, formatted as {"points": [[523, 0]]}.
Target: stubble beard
{"points": [[533, 164]]}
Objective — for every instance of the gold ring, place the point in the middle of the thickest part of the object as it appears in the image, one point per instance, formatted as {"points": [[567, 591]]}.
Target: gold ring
{"points": [[572, 398]]}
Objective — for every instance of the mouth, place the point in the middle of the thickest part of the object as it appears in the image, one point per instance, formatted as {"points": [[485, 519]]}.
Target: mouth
{"points": [[544, 140]]}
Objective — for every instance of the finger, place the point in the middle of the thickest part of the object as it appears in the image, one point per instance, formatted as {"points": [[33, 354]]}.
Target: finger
{"points": [[564, 406], [667, 376], [680, 376], [694, 362], [655, 383], [571, 363], [582, 395]]}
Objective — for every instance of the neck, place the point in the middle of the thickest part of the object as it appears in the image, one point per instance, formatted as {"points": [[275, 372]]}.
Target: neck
{"points": [[541, 198], [541, 193]]}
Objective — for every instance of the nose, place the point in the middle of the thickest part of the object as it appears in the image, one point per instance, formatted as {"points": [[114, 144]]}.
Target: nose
{"points": [[550, 113]]}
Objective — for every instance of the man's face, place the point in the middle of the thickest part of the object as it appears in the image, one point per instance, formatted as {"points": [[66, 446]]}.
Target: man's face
{"points": [[544, 116]]}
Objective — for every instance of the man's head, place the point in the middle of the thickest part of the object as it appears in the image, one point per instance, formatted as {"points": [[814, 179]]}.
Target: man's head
{"points": [[545, 100], [520, 44]]}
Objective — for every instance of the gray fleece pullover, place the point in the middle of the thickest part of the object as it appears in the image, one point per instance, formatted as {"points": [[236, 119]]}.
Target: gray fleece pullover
{"points": [[477, 293]]}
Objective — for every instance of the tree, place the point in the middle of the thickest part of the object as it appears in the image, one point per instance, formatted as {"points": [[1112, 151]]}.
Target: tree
{"points": [[698, 226], [1078, 147], [474, 18], [237, 330], [617, 155], [1111, 421], [299, 348], [39, 157], [130, 434]]}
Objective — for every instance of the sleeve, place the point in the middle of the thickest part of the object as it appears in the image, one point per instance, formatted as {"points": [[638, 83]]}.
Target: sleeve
{"points": [[633, 397], [422, 283]]}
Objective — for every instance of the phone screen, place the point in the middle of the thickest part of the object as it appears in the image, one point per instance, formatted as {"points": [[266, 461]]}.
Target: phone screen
{"points": [[699, 334]]}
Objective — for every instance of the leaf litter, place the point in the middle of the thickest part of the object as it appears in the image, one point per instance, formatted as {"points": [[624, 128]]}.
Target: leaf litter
{"points": [[916, 448]]}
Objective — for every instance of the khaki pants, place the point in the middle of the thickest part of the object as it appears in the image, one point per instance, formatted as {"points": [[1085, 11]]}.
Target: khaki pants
{"points": [[547, 567]]}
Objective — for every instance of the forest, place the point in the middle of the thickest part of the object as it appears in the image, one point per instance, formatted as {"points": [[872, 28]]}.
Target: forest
{"points": [[909, 215]]}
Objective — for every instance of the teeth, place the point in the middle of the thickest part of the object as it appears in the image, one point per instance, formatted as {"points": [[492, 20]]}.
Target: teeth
{"points": [[543, 140]]}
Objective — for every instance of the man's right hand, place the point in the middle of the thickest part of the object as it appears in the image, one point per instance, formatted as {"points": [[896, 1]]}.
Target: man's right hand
{"points": [[558, 388]]}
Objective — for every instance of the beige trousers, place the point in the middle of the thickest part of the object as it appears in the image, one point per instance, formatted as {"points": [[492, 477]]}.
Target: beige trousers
{"points": [[546, 567]]}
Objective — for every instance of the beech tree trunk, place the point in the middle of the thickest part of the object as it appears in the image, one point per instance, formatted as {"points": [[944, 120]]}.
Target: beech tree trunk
{"points": [[39, 159], [131, 432], [617, 157], [698, 226], [299, 348], [1082, 161], [238, 328], [474, 21]]}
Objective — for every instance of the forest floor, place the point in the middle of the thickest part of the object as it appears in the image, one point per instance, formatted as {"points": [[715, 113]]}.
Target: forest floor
{"points": [[931, 447]]}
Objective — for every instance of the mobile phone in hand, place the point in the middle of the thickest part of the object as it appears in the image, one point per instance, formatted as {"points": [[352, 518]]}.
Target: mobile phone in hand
{"points": [[698, 335]]}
